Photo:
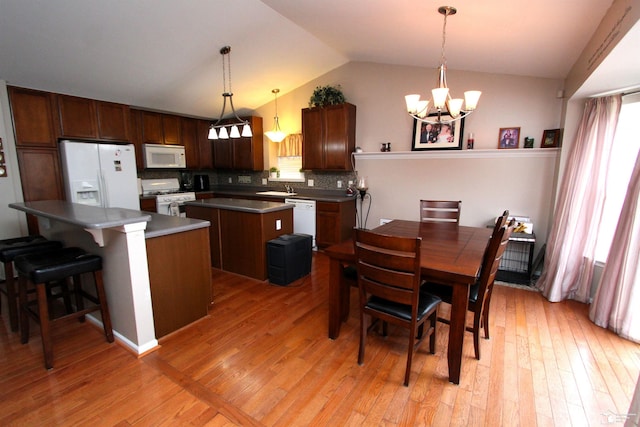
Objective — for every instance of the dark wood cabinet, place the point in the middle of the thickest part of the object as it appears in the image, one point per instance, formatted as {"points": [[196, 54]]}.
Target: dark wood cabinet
{"points": [[114, 121], [148, 204], [241, 153], [171, 129], [136, 136], [33, 118], [329, 135], [158, 128], [334, 222], [88, 118], [189, 137], [41, 178], [205, 146], [78, 117]]}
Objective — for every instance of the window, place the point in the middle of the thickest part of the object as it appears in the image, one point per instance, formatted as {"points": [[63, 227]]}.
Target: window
{"points": [[625, 149]]}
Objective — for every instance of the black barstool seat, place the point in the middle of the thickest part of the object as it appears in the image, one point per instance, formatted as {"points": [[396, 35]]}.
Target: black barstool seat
{"points": [[9, 250], [59, 266]]}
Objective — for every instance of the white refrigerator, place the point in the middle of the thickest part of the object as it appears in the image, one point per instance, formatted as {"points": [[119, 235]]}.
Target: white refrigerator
{"points": [[100, 174]]}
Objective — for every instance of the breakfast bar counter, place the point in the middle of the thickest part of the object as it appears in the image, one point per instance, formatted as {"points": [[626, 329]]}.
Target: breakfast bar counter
{"points": [[118, 236]]}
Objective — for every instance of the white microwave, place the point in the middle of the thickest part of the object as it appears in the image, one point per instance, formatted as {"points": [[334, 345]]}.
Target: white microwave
{"points": [[158, 156]]}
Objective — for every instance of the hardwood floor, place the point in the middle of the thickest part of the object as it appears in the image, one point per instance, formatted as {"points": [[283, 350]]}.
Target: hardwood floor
{"points": [[262, 358]]}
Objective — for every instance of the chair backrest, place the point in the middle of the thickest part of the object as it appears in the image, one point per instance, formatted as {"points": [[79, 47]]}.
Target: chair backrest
{"points": [[388, 266], [492, 256], [440, 211]]}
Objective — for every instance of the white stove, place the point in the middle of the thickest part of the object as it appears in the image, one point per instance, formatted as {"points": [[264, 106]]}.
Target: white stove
{"points": [[169, 198]]}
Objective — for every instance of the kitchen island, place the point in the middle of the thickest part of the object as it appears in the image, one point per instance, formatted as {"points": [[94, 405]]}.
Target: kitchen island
{"points": [[240, 230], [118, 236]]}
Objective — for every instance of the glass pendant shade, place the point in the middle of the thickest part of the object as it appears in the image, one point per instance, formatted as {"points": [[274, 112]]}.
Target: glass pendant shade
{"points": [[223, 134], [235, 132], [246, 131], [212, 133], [276, 135]]}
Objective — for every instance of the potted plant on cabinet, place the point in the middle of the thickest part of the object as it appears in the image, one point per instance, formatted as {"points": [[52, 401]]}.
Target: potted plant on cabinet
{"points": [[326, 95], [273, 172]]}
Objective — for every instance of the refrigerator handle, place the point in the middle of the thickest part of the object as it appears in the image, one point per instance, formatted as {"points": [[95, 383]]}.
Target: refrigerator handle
{"points": [[103, 190]]}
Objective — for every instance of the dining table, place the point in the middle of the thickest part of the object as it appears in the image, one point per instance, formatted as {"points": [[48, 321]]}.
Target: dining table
{"points": [[450, 254]]}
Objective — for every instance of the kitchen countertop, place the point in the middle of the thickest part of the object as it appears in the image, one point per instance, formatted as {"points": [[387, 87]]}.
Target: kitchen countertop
{"points": [[163, 225], [91, 217], [95, 217], [304, 194], [241, 205]]}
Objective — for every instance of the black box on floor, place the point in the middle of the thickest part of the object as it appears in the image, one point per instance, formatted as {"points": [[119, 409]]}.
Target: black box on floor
{"points": [[288, 258]]}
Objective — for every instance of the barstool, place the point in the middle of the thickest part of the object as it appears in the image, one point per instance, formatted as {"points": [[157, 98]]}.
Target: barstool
{"points": [[61, 265], [9, 250]]}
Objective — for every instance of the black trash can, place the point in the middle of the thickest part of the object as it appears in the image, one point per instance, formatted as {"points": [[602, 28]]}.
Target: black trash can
{"points": [[289, 258]]}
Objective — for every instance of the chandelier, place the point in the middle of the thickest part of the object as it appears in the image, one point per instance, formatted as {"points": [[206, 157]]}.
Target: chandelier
{"points": [[218, 130], [421, 110], [276, 135]]}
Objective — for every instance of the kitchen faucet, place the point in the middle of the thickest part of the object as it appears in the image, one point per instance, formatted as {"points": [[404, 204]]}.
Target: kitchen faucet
{"points": [[288, 188]]}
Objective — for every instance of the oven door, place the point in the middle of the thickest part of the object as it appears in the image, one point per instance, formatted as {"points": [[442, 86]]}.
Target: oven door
{"points": [[171, 209]]}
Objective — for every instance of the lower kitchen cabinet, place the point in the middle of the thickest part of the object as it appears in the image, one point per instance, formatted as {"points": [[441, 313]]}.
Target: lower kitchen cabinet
{"points": [[180, 279], [334, 222]]}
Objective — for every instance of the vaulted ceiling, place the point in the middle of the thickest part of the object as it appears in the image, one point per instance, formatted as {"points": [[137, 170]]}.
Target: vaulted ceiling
{"points": [[165, 54]]}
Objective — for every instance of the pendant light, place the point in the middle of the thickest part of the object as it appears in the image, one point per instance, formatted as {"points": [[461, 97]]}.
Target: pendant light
{"points": [[219, 130], [420, 109], [276, 135]]}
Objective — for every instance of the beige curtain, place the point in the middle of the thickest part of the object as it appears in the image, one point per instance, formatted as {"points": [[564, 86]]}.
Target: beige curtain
{"points": [[616, 303], [568, 267], [290, 146]]}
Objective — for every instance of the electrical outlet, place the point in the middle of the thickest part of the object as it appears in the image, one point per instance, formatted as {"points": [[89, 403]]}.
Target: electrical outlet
{"points": [[350, 183], [339, 184], [264, 181], [230, 180], [310, 183], [278, 224]]}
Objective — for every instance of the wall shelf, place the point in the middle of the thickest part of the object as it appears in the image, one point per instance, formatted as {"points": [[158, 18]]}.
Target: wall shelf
{"points": [[458, 154]]}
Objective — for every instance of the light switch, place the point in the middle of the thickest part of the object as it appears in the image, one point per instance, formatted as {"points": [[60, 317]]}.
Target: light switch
{"points": [[310, 183], [278, 224]]}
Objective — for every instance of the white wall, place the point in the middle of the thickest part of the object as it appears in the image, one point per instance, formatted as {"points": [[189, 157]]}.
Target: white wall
{"points": [[518, 180], [12, 222]]}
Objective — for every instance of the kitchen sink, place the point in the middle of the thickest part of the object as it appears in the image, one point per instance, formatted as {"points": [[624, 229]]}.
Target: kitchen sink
{"points": [[275, 193]]}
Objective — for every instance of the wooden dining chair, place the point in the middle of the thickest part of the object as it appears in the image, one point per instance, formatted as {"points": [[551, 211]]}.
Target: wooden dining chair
{"points": [[389, 286], [440, 211], [479, 292]]}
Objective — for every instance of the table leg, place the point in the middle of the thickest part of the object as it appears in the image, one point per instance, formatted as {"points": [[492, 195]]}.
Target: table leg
{"points": [[335, 298], [456, 330]]}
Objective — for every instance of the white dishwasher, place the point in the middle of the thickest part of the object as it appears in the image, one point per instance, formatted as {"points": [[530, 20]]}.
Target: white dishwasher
{"points": [[304, 217]]}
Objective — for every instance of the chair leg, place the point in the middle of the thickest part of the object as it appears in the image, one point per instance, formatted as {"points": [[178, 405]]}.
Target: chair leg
{"points": [[432, 328], [45, 329], [476, 334], [104, 307], [407, 371], [10, 283], [363, 334], [22, 304], [77, 290]]}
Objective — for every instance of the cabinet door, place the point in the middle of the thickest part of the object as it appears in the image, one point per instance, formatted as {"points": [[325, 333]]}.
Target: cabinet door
{"points": [[313, 135], [171, 129], [327, 227], [205, 146], [40, 174], [151, 127], [222, 153], [188, 129], [113, 121], [339, 136], [33, 117], [136, 137], [77, 117], [243, 154]]}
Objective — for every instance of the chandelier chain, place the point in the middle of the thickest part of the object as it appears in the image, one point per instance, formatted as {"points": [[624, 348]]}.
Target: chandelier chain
{"points": [[443, 59]]}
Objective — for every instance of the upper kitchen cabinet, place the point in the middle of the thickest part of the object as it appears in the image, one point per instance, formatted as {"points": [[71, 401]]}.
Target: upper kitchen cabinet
{"points": [[205, 146], [329, 137], [158, 128], [244, 153], [33, 117], [88, 118]]}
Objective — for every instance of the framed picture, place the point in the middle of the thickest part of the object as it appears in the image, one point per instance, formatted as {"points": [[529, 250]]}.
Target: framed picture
{"points": [[551, 138], [442, 136], [509, 138]]}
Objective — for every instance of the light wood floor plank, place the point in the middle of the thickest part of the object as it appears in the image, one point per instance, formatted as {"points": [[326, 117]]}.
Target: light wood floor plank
{"points": [[262, 358]]}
